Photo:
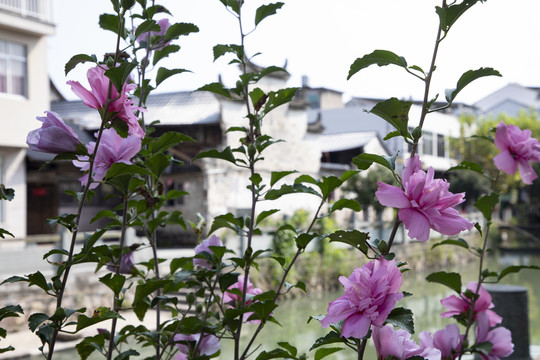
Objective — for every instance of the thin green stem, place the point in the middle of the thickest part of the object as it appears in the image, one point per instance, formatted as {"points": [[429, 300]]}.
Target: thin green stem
{"points": [[425, 110], [116, 300]]}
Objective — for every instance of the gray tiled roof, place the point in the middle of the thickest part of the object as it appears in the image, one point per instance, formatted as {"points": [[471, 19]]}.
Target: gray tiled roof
{"points": [[176, 108], [345, 141]]}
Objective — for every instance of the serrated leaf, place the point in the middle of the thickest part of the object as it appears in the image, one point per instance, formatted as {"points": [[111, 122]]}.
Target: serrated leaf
{"points": [[266, 10], [402, 318], [324, 352], [36, 319], [345, 204], [115, 282], [164, 52], [449, 15], [459, 242], [467, 78], [164, 74], [216, 88], [179, 29], [516, 268], [274, 194], [378, 57], [273, 354], [145, 289], [226, 154], [467, 165], [365, 160], [264, 214], [486, 204], [330, 338], [78, 59], [119, 74], [111, 22], [451, 280], [146, 27], [101, 314], [354, 238], [220, 50], [304, 239], [280, 97], [395, 112]]}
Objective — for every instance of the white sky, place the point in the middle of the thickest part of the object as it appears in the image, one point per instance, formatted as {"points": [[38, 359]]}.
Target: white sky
{"points": [[321, 39]]}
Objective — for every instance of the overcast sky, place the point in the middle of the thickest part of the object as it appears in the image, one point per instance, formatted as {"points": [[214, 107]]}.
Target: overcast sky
{"points": [[321, 39]]}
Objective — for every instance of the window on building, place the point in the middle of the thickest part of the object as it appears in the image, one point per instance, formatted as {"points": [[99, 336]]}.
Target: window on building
{"points": [[441, 146], [427, 143], [13, 79]]}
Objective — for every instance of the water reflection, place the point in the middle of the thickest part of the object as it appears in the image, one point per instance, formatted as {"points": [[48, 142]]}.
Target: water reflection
{"points": [[425, 304]]}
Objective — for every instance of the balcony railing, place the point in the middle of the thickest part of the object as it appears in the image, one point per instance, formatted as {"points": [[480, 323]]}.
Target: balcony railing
{"points": [[36, 9]]}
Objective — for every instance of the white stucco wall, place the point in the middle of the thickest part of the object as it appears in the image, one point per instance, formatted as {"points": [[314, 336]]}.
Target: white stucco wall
{"points": [[14, 176]]}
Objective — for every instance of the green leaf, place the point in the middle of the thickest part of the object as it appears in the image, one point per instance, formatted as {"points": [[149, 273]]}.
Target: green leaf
{"points": [[100, 314], [330, 338], [118, 169], [119, 74], [220, 50], [179, 29], [395, 112], [168, 140], [466, 79], [266, 10], [264, 214], [78, 59], [379, 57], [216, 88], [115, 282], [304, 239], [459, 242], [110, 22], [290, 348], [226, 154], [449, 15], [10, 311], [145, 289], [486, 204], [146, 27], [345, 204], [5, 232], [514, 269], [467, 165], [39, 280], [275, 99], [274, 194], [164, 74], [273, 354], [164, 52], [451, 280], [263, 309], [365, 160], [354, 238], [324, 352], [233, 4], [36, 319], [402, 318]]}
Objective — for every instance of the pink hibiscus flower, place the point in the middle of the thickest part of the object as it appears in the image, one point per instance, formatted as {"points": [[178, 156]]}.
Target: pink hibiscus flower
{"points": [[206, 345], [54, 136], [121, 106], [499, 337], [205, 247], [424, 203], [112, 149], [461, 305], [156, 38], [447, 340], [518, 150], [370, 294], [398, 345], [233, 299]]}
